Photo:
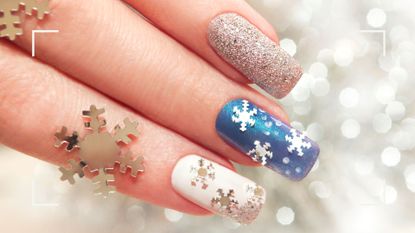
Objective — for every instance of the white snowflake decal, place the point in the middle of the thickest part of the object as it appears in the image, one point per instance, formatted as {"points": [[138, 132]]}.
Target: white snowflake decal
{"points": [[297, 142], [261, 153], [244, 116]]}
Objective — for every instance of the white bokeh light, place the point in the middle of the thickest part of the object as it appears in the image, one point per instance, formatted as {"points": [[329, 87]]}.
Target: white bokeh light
{"points": [[344, 52], [376, 17], [350, 128], [395, 110], [318, 69], [289, 46], [349, 97], [381, 123], [391, 156], [321, 87], [398, 74], [385, 93], [410, 177], [320, 189], [390, 195], [173, 215], [285, 215]]}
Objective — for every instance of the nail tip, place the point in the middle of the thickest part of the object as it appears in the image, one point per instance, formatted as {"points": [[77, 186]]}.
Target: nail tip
{"points": [[266, 139], [249, 50], [217, 188]]}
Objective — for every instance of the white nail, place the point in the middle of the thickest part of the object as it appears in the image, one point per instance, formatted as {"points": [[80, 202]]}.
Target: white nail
{"points": [[218, 189]]}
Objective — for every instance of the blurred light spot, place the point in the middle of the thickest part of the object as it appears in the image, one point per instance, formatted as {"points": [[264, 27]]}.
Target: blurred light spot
{"points": [[363, 166], [286, 160], [398, 74], [381, 123], [320, 189], [390, 195], [403, 140], [321, 87], [135, 217], [326, 56], [376, 17], [302, 108], [289, 46], [385, 93], [297, 125], [301, 91], [395, 110], [350, 128], [318, 69], [349, 97], [391, 156], [315, 131], [343, 54], [410, 177], [285, 215], [173, 215]]}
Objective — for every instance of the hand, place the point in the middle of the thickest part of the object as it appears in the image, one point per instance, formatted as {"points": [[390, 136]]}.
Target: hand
{"points": [[176, 76]]}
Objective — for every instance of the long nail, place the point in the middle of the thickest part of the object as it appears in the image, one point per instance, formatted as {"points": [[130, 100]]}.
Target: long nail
{"points": [[218, 189], [255, 55], [266, 139]]}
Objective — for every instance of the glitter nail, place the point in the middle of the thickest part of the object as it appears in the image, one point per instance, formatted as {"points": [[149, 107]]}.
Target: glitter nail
{"points": [[255, 55]]}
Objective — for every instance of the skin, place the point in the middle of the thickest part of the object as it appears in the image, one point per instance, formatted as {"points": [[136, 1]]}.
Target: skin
{"points": [[107, 55]]}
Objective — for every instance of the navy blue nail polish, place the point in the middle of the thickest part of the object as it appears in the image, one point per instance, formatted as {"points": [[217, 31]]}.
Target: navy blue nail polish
{"points": [[266, 139]]}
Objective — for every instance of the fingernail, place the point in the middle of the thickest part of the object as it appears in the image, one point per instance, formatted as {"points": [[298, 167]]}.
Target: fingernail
{"points": [[218, 189], [266, 139], [254, 54]]}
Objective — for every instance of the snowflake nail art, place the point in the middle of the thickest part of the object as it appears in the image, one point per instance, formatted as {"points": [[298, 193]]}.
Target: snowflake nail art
{"points": [[203, 173], [244, 116], [268, 140], [297, 142], [227, 194], [99, 151], [261, 153]]}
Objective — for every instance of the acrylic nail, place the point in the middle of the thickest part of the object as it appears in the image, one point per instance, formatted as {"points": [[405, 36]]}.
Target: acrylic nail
{"points": [[255, 55], [218, 189], [266, 139]]}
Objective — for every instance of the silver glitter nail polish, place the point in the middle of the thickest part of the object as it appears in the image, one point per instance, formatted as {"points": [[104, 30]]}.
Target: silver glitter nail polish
{"points": [[254, 54]]}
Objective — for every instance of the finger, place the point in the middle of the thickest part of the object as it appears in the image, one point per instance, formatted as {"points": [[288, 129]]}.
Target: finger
{"points": [[227, 32], [37, 100], [159, 78]]}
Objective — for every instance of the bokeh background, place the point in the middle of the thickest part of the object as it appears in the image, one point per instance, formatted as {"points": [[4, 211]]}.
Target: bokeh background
{"points": [[356, 100]]}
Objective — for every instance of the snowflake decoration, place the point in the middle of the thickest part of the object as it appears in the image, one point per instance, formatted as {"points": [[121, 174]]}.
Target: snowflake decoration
{"points": [[99, 150], [9, 21], [225, 202], [261, 153], [297, 142], [244, 115], [102, 181], [202, 174]]}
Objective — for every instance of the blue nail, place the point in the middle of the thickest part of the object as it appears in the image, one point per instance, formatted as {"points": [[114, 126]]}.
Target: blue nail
{"points": [[266, 139]]}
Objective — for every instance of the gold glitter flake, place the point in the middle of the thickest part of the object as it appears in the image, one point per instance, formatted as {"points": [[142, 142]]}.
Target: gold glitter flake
{"points": [[203, 174], [99, 150], [9, 21]]}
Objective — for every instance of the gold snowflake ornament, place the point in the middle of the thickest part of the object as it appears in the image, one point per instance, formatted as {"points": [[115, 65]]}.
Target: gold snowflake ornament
{"points": [[10, 21], [99, 151]]}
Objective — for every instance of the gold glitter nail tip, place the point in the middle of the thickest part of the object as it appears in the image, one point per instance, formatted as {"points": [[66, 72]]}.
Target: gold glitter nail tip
{"points": [[255, 55], [218, 189]]}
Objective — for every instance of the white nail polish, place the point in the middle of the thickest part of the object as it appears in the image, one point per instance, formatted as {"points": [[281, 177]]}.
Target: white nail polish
{"points": [[218, 189]]}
